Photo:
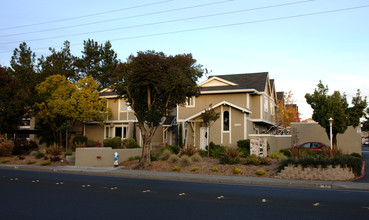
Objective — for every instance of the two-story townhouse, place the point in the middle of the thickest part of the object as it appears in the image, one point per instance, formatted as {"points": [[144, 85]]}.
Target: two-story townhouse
{"points": [[123, 123], [247, 105]]}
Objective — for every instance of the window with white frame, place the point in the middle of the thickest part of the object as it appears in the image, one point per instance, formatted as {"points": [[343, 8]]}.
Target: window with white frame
{"points": [[190, 102], [266, 103], [226, 121], [124, 107], [121, 132]]}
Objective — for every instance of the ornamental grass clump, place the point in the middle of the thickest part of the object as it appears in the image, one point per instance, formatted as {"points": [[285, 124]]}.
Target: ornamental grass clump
{"points": [[196, 157], [190, 150], [173, 158], [165, 155], [185, 161], [215, 169], [195, 169]]}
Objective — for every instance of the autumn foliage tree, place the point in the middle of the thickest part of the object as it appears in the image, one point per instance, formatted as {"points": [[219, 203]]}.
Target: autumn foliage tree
{"points": [[287, 112], [154, 84]]}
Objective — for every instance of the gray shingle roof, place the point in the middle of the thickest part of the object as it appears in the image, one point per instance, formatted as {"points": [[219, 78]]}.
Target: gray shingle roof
{"points": [[255, 81]]}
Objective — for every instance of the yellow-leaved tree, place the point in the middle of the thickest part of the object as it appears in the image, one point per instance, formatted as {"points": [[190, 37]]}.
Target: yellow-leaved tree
{"points": [[64, 104]]}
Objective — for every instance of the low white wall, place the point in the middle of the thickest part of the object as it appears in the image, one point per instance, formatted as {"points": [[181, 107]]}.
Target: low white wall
{"points": [[88, 156]]}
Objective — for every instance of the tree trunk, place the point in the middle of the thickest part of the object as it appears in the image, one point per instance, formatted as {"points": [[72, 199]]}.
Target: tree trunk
{"points": [[147, 134]]}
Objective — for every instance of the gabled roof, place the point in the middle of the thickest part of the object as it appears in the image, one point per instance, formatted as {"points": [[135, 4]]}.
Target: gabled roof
{"points": [[219, 104], [246, 81]]}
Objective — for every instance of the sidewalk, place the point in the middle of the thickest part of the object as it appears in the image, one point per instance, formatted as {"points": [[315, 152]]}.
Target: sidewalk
{"points": [[192, 177]]}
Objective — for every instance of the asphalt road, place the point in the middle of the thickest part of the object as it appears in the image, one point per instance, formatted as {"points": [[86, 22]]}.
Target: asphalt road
{"points": [[43, 195]]}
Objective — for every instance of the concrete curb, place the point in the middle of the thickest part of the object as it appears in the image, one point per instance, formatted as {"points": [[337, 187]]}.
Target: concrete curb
{"points": [[118, 172]]}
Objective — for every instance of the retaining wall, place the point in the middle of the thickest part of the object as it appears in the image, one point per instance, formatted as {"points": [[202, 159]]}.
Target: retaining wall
{"points": [[88, 156]]}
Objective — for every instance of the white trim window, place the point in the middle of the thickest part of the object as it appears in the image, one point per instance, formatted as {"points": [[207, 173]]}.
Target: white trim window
{"points": [[266, 103], [226, 120], [121, 131], [123, 106], [190, 101]]}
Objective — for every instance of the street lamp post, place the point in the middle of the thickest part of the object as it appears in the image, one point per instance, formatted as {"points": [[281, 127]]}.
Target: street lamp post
{"points": [[330, 130]]}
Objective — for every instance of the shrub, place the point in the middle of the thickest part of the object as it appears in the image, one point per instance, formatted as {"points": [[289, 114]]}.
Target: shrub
{"points": [[5, 161], [24, 147], [185, 161], [355, 155], [236, 171], [330, 153], [39, 155], [68, 153], [176, 168], [227, 160], [349, 161], [155, 157], [55, 150], [78, 145], [215, 169], [45, 163], [79, 140], [54, 158], [165, 155], [31, 162], [173, 158], [286, 152], [196, 157], [202, 153], [195, 169], [130, 143], [217, 151], [114, 142], [260, 172], [6, 148], [134, 158], [255, 160], [190, 150], [232, 153], [276, 155], [230, 156], [244, 144], [174, 148]]}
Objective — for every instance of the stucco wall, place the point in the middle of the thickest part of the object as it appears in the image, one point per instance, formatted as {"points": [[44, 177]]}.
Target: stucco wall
{"points": [[88, 156], [349, 142], [94, 132]]}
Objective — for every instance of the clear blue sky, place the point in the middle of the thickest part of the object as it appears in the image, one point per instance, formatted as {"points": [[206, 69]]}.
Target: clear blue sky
{"points": [[297, 42]]}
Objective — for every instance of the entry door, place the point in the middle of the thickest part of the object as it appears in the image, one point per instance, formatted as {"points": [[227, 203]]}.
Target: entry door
{"points": [[204, 134]]}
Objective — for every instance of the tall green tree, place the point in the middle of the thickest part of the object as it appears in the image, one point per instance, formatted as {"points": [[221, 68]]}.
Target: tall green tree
{"points": [[335, 106], [23, 67], [153, 84], [59, 62], [12, 103], [98, 61], [366, 121]]}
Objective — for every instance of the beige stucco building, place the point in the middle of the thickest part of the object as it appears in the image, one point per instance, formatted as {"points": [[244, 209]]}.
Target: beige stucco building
{"points": [[246, 103]]}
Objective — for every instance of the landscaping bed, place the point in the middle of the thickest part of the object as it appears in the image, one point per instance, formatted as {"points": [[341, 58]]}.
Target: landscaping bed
{"points": [[206, 165]]}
